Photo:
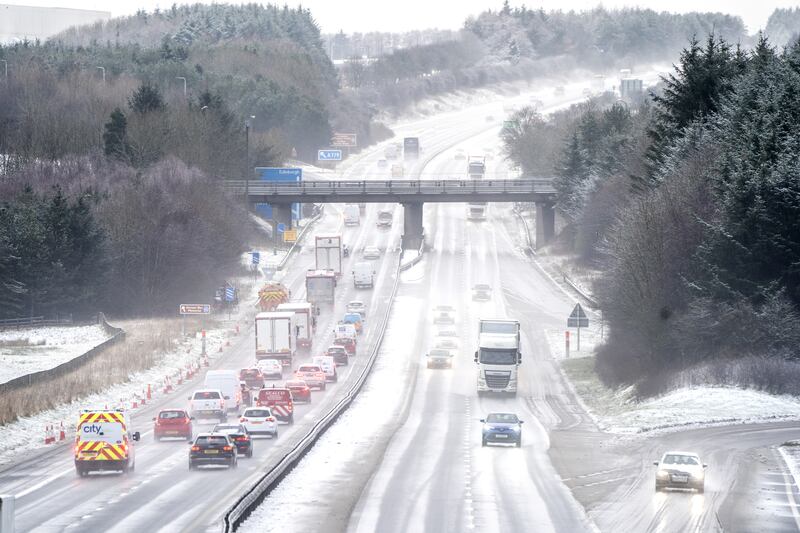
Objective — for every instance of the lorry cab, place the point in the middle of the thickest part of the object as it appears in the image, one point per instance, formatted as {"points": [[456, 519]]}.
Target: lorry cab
{"points": [[363, 275], [103, 441], [352, 215], [498, 355], [227, 382]]}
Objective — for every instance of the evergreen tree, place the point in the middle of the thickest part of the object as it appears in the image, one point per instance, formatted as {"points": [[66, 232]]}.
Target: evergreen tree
{"points": [[571, 175], [115, 138], [146, 99]]}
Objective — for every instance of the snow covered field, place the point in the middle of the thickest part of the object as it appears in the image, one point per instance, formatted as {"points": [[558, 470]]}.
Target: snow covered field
{"points": [[618, 412], [32, 350]]}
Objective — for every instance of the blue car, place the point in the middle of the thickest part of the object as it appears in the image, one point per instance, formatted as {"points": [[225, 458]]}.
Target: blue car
{"points": [[355, 319], [502, 428]]}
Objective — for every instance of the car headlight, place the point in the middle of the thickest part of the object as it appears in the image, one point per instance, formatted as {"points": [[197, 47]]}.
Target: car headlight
{"points": [[662, 474]]}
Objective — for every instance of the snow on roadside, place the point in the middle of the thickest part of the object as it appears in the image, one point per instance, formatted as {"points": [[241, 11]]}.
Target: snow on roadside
{"points": [[30, 350], [616, 411], [790, 452]]}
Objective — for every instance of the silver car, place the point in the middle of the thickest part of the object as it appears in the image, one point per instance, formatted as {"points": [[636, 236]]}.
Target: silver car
{"points": [[680, 470]]}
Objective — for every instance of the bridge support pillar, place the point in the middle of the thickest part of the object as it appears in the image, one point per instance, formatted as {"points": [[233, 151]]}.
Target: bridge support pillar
{"points": [[412, 226], [545, 223]]}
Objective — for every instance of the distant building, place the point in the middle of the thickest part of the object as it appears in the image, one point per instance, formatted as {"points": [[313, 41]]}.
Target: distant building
{"points": [[18, 23]]}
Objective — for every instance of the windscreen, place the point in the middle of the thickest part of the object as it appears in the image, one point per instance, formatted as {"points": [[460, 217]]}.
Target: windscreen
{"points": [[206, 395], [257, 413], [211, 439], [171, 415], [499, 327], [494, 356], [110, 432], [502, 418]]}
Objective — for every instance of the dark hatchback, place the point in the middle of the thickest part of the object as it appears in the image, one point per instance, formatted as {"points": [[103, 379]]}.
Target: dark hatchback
{"points": [[241, 438], [212, 449], [502, 428]]}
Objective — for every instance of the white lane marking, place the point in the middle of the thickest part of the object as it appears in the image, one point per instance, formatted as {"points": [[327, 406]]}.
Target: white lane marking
{"points": [[788, 484], [46, 481], [602, 482]]}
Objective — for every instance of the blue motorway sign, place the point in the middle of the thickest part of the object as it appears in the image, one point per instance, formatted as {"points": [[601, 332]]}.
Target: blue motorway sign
{"points": [[229, 294], [279, 174], [281, 227], [256, 257], [329, 155]]}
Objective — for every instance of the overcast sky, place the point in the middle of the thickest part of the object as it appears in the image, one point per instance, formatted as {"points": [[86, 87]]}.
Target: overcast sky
{"points": [[403, 15]]}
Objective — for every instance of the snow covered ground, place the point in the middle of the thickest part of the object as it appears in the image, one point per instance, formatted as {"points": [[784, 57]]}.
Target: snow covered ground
{"points": [[618, 412], [32, 350]]}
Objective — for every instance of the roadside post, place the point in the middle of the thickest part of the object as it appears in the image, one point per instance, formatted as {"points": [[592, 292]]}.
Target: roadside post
{"points": [[6, 513], [566, 343], [203, 343], [256, 259], [578, 319], [192, 309]]}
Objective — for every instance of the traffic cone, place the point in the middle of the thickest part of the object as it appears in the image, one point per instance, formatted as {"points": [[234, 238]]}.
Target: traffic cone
{"points": [[49, 436], [62, 435], [205, 360], [180, 377], [220, 348], [227, 342], [237, 329], [149, 393]]}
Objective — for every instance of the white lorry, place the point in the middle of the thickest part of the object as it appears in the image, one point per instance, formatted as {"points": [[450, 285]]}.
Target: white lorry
{"points": [[303, 329], [363, 275], [227, 382], [352, 215], [498, 356], [274, 336], [328, 253], [476, 211]]}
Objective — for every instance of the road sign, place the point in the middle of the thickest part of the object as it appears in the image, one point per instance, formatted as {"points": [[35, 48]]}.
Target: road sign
{"points": [[290, 235], [329, 155], [344, 139], [194, 309], [578, 319], [279, 174], [229, 294], [256, 257], [281, 227]]}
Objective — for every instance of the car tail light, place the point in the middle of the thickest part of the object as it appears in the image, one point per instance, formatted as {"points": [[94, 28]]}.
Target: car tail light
{"points": [[243, 419], [270, 419], [242, 439], [195, 448], [227, 448]]}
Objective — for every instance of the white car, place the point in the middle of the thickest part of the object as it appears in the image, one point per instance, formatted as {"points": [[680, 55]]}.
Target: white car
{"points": [[447, 333], [259, 421], [680, 470], [371, 252], [382, 163], [270, 368], [460, 155], [447, 343], [357, 306], [444, 314], [439, 358], [328, 365]]}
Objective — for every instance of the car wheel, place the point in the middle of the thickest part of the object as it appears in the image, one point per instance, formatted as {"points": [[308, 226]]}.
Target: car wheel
{"points": [[223, 418], [250, 452], [80, 471], [291, 418], [519, 442], [234, 463], [156, 437], [191, 465], [483, 442], [659, 488], [275, 434], [322, 387], [701, 489]]}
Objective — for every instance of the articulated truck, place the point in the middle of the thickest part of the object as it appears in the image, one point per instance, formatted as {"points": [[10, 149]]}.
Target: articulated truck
{"points": [[498, 356]]}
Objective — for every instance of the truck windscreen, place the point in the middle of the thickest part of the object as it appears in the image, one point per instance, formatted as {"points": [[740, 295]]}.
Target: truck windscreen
{"points": [[499, 327], [493, 356]]}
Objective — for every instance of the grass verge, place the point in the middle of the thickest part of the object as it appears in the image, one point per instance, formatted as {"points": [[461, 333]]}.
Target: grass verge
{"points": [[599, 399]]}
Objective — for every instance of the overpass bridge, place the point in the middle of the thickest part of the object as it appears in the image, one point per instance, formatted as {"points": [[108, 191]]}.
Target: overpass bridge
{"points": [[412, 194]]}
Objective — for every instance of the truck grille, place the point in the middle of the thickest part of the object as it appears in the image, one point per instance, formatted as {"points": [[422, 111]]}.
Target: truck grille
{"points": [[497, 380]]}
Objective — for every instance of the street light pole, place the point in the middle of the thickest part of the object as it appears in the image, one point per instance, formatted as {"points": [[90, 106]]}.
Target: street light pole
{"points": [[104, 73], [5, 63], [184, 84], [247, 124]]}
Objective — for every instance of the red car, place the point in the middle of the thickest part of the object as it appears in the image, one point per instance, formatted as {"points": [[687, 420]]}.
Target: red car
{"points": [[299, 389], [252, 376], [348, 343], [172, 423]]}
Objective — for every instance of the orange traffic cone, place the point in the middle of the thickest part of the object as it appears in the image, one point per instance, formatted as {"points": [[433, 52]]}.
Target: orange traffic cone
{"points": [[149, 393], [62, 435]]}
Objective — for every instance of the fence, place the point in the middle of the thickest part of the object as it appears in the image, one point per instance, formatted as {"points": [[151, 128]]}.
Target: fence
{"points": [[34, 321], [117, 334]]}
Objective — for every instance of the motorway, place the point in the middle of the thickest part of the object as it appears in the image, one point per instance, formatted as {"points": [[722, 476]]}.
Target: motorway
{"points": [[426, 470]]}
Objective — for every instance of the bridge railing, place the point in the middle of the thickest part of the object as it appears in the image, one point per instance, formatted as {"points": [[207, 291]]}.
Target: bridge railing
{"points": [[398, 187]]}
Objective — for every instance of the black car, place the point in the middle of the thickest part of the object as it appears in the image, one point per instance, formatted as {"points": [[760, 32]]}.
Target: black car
{"points": [[212, 449], [238, 433]]}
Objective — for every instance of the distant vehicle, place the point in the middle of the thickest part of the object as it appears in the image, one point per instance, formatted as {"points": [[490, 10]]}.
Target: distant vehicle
{"points": [[300, 390], [328, 253], [680, 470], [270, 369], [279, 401], [363, 275], [503, 428], [398, 171], [239, 435], [391, 151], [447, 333], [259, 421], [382, 163], [252, 377], [320, 287], [476, 211], [559, 90], [313, 375], [371, 252], [103, 441], [481, 292], [212, 449], [411, 148], [439, 358], [476, 167], [498, 355], [339, 354], [275, 336], [587, 92], [207, 403], [444, 314], [303, 322], [460, 155], [384, 219], [448, 343], [352, 215], [357, 306], [172, 423], [227, 382], [356, 320], [328, 365]]}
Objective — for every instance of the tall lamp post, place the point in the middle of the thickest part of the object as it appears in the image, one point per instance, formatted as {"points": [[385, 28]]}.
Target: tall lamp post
{"points": [[5, 64], [184, 84], [104, 73], [247, 123]]}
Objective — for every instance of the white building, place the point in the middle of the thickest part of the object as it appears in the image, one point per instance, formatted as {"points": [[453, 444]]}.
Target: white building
{"points": [[18, 23]]}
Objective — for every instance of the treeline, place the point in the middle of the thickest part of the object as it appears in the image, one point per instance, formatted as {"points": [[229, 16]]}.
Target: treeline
{"points": [[376, 44], [688, 205]]}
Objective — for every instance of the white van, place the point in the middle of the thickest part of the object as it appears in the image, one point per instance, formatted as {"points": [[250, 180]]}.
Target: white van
{"points": [[352, 215], [363, 275], [328, 365], [227, 382]]}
